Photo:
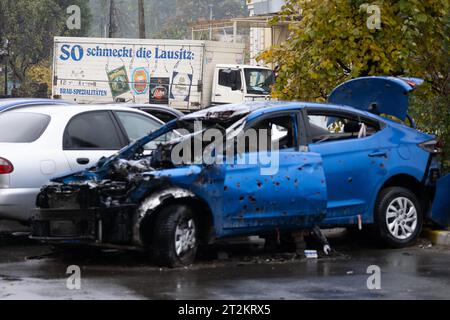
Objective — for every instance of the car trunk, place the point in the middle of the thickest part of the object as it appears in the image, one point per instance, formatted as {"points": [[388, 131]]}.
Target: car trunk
{"points": [[378, 95]]}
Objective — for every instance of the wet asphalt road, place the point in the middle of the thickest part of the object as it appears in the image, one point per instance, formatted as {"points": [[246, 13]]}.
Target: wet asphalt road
{"points": [[31, 271]]}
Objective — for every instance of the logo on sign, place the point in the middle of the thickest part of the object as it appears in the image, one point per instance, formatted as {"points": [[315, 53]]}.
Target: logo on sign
{"points": [[140, 81], [75, 53]]}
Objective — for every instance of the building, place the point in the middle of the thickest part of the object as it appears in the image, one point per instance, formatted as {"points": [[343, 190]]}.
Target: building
{"points": [[263, 38], [255, 31]]}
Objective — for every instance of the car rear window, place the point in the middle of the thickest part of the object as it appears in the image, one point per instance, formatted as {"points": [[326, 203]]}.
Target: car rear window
{"points": [[22, 127]]}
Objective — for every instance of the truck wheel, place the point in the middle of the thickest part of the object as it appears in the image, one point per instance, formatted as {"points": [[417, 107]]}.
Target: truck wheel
{"points": [[398, 217], [175, 239]]}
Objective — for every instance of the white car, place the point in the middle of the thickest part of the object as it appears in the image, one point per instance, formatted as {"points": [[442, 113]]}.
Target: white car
{"points": [[40, 142]]}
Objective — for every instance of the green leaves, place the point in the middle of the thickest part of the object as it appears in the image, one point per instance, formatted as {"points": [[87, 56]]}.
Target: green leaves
{"points": [[332, 43], [30, 26]]}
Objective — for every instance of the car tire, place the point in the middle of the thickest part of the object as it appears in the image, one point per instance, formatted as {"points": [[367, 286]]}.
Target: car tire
{"points": [[175, 237], [398, 217]]}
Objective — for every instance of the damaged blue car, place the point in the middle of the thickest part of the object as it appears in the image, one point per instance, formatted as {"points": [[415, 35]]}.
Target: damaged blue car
{"points": [[345, 163]]}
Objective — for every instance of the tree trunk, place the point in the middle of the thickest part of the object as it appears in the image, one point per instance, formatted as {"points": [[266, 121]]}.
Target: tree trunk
{"points": [[141, 19], [112, 19]]}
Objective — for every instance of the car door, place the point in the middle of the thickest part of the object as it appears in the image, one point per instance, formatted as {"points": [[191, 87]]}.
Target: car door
{"points": [[352, 160], [229, 87], [286, 190], [90, 136]]}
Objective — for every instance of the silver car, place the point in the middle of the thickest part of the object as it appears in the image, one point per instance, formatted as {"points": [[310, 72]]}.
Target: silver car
{"points": [[40, 142]]}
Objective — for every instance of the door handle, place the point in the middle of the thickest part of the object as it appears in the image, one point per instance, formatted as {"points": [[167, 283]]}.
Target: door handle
{"points": [[378, 154], [218, 95], [83, 161]]}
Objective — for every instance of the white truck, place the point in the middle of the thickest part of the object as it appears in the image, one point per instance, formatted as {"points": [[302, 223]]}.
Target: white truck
{"points": [[184, 74]]}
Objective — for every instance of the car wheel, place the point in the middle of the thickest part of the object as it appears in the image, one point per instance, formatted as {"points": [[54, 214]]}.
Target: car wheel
{"points": [[175, 240], [398, 217]]}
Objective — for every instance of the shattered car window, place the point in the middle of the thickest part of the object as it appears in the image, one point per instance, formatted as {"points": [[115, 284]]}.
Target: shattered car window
{"points": [[330, 127], [187, 135]]}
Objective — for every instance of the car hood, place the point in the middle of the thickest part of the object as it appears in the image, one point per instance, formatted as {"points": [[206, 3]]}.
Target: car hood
{"points": [[379, 95]]}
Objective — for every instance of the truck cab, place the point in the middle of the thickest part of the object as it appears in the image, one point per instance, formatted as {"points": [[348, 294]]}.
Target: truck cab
{"points": [[238, 83]]}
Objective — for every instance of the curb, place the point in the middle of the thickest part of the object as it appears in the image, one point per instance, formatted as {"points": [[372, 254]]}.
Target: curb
{"points": [[438, 237]]}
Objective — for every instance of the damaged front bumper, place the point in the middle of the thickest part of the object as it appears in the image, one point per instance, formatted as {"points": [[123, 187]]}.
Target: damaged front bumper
{"points": [[93, 226]]}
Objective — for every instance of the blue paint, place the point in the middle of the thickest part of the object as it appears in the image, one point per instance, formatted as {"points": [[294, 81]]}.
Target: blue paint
{"points": [[331, 183], [380, 95], [441, 206]]}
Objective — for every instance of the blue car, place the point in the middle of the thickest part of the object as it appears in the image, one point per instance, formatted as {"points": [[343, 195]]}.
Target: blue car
{"points": [[13, 103], [263, 169]]}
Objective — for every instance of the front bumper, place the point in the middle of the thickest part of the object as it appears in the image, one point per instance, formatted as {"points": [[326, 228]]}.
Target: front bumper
{"points": [[94, 226]]}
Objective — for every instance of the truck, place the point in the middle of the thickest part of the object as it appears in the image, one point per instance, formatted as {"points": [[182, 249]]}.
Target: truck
{"points": [[184, 74]]}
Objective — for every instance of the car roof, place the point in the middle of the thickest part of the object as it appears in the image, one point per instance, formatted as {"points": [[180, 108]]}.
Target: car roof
{"points": [[156, 107], [255, 109], [9, 103], [53, 110]]}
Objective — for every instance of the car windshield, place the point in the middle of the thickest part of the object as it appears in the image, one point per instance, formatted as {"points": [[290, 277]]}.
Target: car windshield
{"points": [[21, 127], [259, 81], [190, 127]]}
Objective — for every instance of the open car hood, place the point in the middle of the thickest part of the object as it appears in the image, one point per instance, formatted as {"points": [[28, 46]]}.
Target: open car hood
{"points": [[379, 95]]}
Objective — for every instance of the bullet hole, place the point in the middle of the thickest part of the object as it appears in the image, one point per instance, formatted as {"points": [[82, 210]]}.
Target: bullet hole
{"points": [[252, 199], [241, 198], [259, 184]]}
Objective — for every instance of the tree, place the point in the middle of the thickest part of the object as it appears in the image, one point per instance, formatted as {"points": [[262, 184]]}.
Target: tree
{"points": [[331, 42], [30, 26]]}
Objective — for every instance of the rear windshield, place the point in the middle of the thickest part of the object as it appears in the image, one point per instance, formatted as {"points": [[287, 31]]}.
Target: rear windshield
{"points": [[21, 127]]}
